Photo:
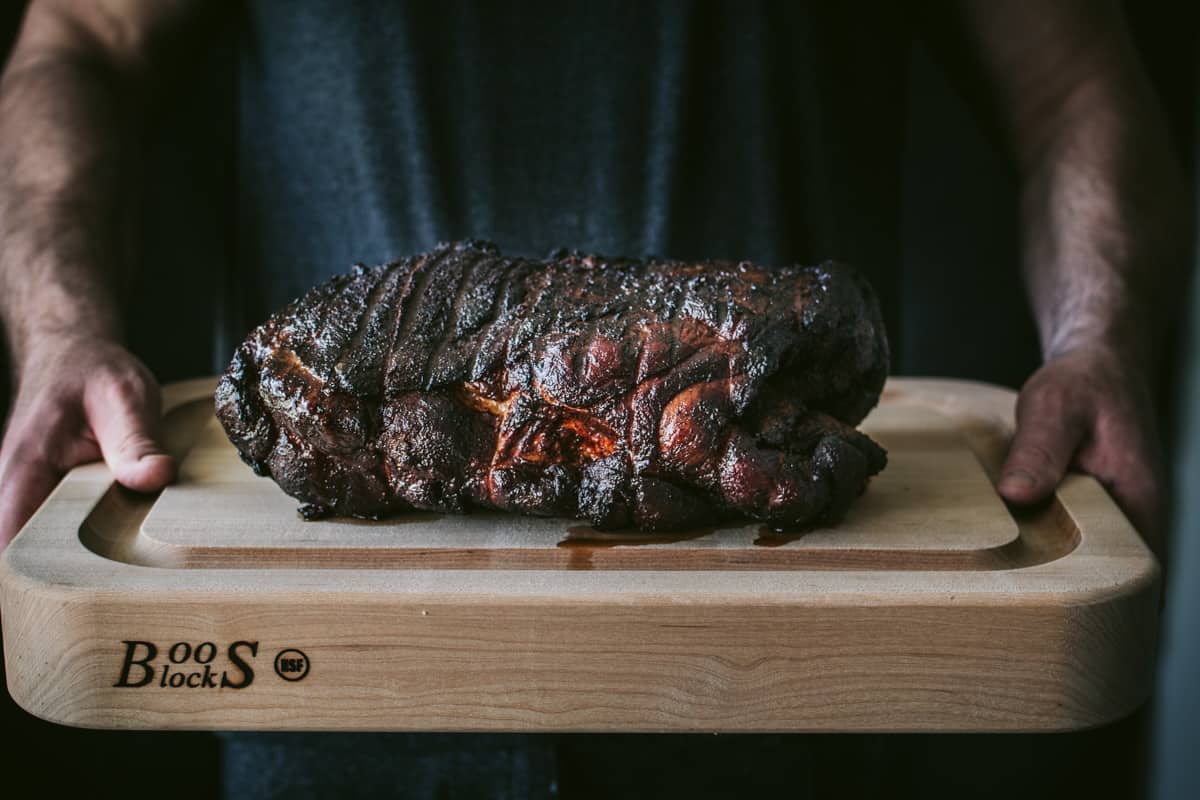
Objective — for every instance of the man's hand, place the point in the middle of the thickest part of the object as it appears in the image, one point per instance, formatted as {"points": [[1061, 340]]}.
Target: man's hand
{"points": [[77, 401], [73, 99], [1091, 409], [1105, 234]]}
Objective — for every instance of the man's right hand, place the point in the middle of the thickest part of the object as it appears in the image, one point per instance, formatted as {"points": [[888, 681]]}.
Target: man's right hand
{"points": [[78, 400]]}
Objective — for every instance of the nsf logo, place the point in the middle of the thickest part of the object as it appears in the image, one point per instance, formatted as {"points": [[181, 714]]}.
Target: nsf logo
{"points": [[291, 665]]}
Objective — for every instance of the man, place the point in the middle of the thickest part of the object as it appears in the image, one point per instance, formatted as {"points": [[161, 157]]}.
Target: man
{"points": [[365, 133]]}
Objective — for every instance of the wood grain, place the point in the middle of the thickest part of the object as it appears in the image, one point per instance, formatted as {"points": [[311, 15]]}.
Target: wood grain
{"points": [[932, 607]]}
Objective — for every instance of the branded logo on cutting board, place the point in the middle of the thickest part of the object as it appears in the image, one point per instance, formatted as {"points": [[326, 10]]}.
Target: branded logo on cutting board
{"points": [[291, 664], [184, 665]]}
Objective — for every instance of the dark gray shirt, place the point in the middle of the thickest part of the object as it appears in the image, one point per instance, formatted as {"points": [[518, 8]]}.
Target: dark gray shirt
{"points": [[369, 130]]}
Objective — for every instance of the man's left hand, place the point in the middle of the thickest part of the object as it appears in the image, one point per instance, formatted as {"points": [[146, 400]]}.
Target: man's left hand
{"points": [[1090, 408]]}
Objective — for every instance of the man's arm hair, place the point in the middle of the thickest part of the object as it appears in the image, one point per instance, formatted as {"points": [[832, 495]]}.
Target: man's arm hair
{"points": [[72, 100], [1103, 205]]}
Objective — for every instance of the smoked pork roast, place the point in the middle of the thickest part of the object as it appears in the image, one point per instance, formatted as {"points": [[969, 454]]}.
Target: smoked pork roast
{"points": [[648, 394]]}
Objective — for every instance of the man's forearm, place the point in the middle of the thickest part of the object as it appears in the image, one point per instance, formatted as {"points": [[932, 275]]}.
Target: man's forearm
{"points": [[61, 211], [1104, 215], [72, 102], [1102, 199]]}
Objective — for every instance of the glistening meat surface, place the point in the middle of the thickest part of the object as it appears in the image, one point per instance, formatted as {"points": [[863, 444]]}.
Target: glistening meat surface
{"points": [[651, 394]]}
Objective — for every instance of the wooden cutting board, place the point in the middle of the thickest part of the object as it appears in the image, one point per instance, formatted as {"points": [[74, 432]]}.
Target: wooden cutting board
{"points": [[931, 607]]}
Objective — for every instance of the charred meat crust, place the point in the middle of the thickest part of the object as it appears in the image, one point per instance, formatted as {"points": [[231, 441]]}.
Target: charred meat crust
{"points": [[654, 394]]}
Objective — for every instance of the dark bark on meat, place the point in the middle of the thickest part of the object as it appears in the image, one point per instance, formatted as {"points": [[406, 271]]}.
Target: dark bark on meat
{"points": [[656, 394]]}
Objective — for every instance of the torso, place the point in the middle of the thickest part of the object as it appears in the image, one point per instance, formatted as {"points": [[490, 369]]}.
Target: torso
{"points": [[369, 130]]}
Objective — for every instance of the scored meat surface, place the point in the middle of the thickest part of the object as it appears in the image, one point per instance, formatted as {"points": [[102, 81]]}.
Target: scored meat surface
{"points": [[652, 394]]}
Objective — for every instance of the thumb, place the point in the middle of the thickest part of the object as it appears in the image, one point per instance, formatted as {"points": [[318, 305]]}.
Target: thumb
{"points": [[124, 416], [1043, 447]]}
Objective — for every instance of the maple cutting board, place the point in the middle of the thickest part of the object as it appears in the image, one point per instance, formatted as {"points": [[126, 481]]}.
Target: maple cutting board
{"points": [[931, 607]]}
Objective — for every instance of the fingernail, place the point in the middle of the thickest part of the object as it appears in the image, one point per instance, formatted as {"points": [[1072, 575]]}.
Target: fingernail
{"points": [[1017, 480]]}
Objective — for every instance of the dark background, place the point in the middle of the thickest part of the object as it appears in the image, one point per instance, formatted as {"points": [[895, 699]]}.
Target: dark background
{"points": [[960, 255]]}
